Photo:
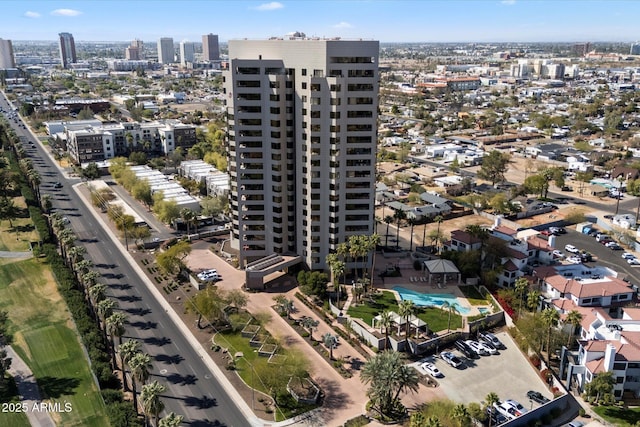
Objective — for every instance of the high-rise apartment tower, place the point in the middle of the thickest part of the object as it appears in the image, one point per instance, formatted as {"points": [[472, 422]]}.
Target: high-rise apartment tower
{"points": [[67, 50], [210, 48], [166, 51], [302, 145], [7, 60], [187, 52]]}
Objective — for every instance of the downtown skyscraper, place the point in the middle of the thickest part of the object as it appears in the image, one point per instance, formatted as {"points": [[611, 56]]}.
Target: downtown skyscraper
{"points": [[67, 50], [7, 59], [166, 51], [302, 145], [210, 47]]}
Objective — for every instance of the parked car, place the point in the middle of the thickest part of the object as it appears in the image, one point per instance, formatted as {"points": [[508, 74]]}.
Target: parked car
{"points": [[571, 248], [633, 261], [601, 236], [574, 260], [558, 254], [537, 397], [614, 246], [466, 350], [431, 369], [488, 347], [451, 359], [477, 347], [510, 409], [209, 276], [490, 338], [57, 184], [586, 256], [627, 255]]}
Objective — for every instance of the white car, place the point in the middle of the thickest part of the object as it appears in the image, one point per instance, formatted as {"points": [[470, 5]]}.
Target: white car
{"points": [[574, 260], [571, 248], [633, 261], [510, 409], [628, 255], [451, 359], [209, 275], [488, 347], [558, 254], [479, 349], [431, 369]]}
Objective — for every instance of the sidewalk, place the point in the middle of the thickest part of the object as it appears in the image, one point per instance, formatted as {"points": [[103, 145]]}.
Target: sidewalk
{"points": [[28, 389]]}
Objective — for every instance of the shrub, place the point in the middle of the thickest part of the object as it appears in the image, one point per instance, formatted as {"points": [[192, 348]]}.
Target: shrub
{"points": [[535, 361]]}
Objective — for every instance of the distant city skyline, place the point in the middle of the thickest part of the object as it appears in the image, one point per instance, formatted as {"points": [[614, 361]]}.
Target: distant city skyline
{"points": [[386, 21]]}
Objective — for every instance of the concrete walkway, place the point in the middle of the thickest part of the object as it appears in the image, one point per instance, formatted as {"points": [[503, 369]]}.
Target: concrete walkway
{"points": [[9, 254], [28, 389]]}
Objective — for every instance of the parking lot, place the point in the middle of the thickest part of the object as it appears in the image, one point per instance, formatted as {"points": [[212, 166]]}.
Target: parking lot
{"points": [[604, 256], [508, 374]]}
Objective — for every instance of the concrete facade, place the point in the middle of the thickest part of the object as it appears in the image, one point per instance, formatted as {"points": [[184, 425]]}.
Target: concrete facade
{"points": [[166, 53], [302, 145], [67, 50], [210, 47], [7, 59]]}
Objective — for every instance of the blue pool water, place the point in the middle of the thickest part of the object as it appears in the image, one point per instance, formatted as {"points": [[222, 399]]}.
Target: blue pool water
{"points": [[483, 310], [436, 300]]}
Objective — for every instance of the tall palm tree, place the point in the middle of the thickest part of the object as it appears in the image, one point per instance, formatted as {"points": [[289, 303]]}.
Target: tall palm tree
{"points": [[399, 215], [97, 292], [550, 317], [451, 308], [387, 220], [105, 308], [490, 400], [521, 285], [372, 244], [127, 350], [438, 220], [140, 365], [406, 309], [115, 328], [151, 399], [171, 420], [343, 251], [188, 216], [574, 318], [533, 300], [386, 321], [412, 223]]}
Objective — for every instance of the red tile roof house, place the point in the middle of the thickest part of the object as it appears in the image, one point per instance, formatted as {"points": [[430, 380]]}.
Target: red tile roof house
{"points": [[609, 344]]}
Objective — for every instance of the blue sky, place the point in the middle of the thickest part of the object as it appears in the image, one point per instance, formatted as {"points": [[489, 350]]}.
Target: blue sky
{"points": [[386, 21]]}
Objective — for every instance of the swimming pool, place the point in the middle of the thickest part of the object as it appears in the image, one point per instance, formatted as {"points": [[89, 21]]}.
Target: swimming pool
{"points": [[422, 299]]}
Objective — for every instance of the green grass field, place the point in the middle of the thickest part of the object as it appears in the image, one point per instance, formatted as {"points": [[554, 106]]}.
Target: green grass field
{"points": [[45, 339], [17, 235], [436, 319], [9, 393], [618, 416]]}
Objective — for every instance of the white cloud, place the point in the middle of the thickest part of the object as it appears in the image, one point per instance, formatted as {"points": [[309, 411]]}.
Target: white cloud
{"points": [[30, 14], [508, 2], [274, 5], [343, 24], [66, 12]]}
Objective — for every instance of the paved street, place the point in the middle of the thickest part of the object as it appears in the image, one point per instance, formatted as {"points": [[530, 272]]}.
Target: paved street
{"points": [[192, 390]]}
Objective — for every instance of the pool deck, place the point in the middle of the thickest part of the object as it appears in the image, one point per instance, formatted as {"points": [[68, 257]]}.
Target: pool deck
{"points": [[407, 271]]}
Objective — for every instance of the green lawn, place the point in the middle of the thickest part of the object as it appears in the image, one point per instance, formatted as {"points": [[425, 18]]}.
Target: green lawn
{"points": [[235, 342], [473, 295], [16, 237], [44, 338], [618, 416], [435, 318]]}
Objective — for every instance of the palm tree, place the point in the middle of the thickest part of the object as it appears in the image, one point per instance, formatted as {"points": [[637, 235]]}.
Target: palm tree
{"points": [[310, 325], [387, 220], [343, 251], [388, 376], [354, 251], [433, 421], [533, 300], [574, 318], [491, 399], [140, 365], [520, 286], [412, 223], [45, 202], [385, 322], [438, 219], [115, 328], [399, 215], [97, 292], [451, 308], [105, 308], [461, 414], [171, 420], [406, 309], [127, 350], [372, 244], [151, 399], [550, 317], [329, 342], [188, 216]]}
